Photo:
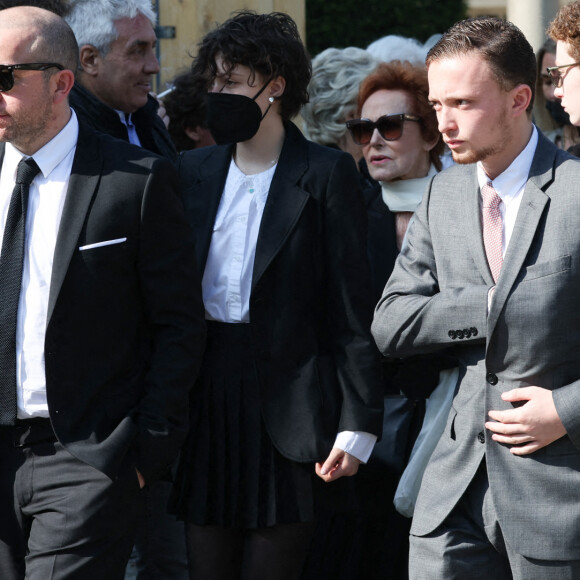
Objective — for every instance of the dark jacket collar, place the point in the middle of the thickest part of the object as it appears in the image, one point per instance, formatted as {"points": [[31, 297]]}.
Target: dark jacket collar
{"points": [[150, 128]]}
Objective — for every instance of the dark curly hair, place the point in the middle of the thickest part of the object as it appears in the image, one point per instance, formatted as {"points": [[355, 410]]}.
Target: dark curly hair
{"points": [[269, 44], [185, 106], [404, 76], [566, 27]]}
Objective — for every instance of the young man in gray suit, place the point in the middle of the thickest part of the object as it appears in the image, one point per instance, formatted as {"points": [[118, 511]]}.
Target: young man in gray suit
{"points": [[492, 271]]}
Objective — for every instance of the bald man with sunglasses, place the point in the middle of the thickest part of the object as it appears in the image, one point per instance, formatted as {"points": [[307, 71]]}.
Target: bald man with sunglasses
{"points": [[101, 321]]}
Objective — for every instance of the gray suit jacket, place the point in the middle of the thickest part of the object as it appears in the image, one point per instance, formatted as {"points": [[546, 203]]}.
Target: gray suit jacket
{"points": [[437, 297]]}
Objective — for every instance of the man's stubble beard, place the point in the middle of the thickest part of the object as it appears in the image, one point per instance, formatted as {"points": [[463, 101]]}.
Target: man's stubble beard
{"points": [[475, 155]]}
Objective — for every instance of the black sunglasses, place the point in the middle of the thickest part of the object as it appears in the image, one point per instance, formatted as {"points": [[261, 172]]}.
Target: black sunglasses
{"points": [[7, 72], [390, 127]]}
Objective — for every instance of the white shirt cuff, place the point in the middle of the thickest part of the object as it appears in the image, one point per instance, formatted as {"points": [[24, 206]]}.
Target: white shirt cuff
{"points": [[357, 443], [490, 298]]}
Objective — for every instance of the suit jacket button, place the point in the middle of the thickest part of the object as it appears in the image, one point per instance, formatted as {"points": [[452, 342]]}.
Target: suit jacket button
{"points": [[467, 333], [452, 334], [473, 331], [481, 437], [491, 378], [460, 334]]}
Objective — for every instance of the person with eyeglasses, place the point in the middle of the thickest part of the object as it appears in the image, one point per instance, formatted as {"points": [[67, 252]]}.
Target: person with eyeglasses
{"points": [[101, 319], [289, 392], [549, 116], [491, 269], [566, 74]]}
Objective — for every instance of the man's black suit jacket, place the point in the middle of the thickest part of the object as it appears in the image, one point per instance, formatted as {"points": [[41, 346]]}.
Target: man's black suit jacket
{"points": [[310, 305], [125, 326]]}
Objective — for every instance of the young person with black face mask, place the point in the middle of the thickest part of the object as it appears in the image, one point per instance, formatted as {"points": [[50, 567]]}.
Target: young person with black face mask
{"points": [[290, 386]]}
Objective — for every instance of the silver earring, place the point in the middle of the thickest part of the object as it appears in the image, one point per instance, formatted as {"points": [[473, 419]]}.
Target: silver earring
{"points": [[271, 99]]}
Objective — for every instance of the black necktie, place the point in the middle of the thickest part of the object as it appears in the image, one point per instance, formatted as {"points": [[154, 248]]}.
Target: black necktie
{"points": [[11, 261]]}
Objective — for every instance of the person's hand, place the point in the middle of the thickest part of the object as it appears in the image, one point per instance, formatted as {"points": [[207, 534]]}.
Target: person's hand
{"points": [[528, 427], [140, 478], [338, 464]]}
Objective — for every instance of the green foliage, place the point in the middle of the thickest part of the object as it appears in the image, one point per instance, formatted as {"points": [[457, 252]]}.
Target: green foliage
{"points": [[342, 23]]}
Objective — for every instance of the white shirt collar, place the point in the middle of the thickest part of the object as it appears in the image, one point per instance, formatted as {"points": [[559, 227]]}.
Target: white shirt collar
{"points": [[513, 179], [51, 154]]}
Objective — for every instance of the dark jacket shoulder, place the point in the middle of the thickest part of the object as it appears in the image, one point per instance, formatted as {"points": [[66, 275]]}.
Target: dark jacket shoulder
{"points": [[152, 132]]}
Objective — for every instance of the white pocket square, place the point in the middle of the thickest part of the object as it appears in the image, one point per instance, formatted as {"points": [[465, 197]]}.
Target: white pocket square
{"points": [[105, 243]]}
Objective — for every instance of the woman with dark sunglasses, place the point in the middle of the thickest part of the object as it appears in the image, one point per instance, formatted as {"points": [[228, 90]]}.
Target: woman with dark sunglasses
{"points": [[289, 387], [397, 129]]}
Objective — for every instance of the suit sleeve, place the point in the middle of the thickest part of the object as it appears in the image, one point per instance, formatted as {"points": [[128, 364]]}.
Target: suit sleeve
{"points": [[349, 307], [415, 314], [171, 295]]}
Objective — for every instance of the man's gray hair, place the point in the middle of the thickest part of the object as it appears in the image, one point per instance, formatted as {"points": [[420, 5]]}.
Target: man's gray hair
{"points": [[93, 21], [333, 89]]}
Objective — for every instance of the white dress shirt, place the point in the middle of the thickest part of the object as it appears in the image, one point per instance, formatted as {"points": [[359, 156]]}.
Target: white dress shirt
{"points": [[227, 278], [510, 187], [45, 204]]}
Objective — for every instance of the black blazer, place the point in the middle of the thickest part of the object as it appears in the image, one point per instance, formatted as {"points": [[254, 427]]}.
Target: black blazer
{"points": [[310, 305], [382, 238], [125, 325]]}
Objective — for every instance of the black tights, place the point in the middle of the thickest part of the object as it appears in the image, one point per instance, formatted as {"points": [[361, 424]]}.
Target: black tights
{"points": [[273, 553]]}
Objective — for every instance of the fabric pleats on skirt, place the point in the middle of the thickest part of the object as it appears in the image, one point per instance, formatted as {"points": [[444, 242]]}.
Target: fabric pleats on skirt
{"points": [[230, 473]]}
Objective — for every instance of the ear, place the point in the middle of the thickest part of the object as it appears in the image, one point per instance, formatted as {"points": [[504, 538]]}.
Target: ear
{"points": [[192, 133], [90, 59], [521, 95], [63, 82], [277, 87], [428, 145]]}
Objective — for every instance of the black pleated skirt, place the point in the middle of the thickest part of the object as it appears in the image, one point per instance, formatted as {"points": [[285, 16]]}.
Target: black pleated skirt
{"points": [[230, 473]]}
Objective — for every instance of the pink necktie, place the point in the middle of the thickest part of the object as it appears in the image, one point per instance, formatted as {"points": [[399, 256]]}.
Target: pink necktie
{"points": [[492, 229]]}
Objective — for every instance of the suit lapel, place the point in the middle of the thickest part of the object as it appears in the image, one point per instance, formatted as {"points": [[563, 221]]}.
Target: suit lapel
{"points": [[204, 206], [85, 176], [285, 201], [531, 209]]}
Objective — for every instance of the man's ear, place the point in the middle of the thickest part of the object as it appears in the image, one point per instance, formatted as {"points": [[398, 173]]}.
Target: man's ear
{"points": [[522, 95], [90, 59], [192, 133], [64, 81]]}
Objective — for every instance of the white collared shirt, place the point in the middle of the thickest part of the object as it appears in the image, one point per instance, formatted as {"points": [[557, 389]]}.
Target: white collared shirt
{"points": [[45, 205], [510, 186], [227, 278]]}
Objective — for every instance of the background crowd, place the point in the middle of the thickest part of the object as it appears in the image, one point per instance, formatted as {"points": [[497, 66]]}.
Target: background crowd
{"points": [[298, 216]]}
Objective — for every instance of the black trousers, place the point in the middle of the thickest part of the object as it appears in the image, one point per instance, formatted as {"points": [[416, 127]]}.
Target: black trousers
{"points": [[59, 517]]}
